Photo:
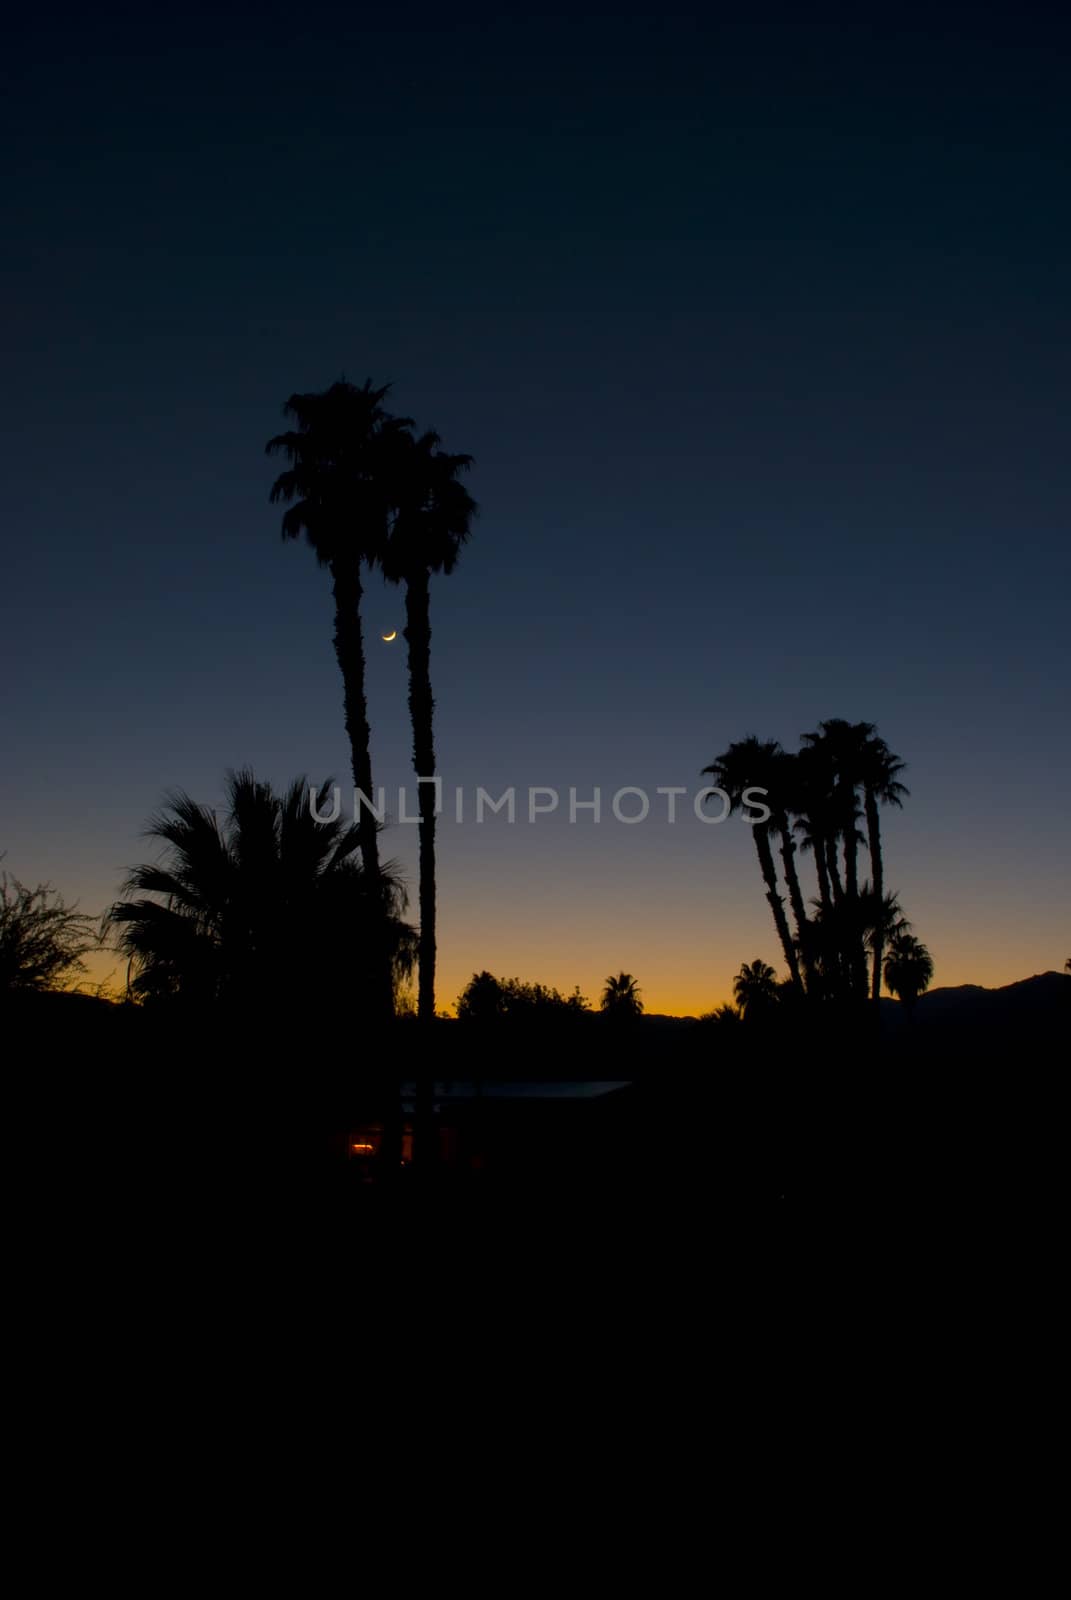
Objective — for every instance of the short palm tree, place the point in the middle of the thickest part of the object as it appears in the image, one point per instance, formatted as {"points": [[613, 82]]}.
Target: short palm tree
{"points": [[725, 1016], [431, 519], [883, 919], [755, 988], [337, 492], [261, 910], [756, 764], [621, 998], [908, 969]]}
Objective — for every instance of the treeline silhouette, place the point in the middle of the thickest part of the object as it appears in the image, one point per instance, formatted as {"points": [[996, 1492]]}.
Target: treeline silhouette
{"points": [[487, 999]]}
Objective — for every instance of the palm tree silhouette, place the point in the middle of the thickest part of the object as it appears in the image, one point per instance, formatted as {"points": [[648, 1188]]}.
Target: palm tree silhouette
{"points": [[783, 800], [724, 1015], [815, 826], [836, 931], [908, 970], [262, 910], [842, 746], [755, 988], [879, 773], [337, 494], [431, 520], [621, 998], [883, 919], [754, 764]]}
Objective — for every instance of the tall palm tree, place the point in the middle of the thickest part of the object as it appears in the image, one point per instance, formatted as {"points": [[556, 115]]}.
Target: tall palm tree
{"points": [[879, 774], [755, 988], [755, 764], [260, 911], [814, 820], [783, 799], [908, 970], [842, 746], [432, 518], [621, 998], [337, 493]]}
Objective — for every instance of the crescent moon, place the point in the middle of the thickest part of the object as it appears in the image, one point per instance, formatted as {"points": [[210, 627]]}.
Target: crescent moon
{"points": [[387, 637]]}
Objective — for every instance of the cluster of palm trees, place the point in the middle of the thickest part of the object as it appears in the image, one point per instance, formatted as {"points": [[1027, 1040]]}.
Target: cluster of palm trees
{"points": [[757, 991], [367, 493], [825, 801]]}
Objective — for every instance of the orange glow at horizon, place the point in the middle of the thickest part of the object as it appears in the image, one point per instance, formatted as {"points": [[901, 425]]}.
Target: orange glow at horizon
{"points": [[672, 983], [681, 912]]}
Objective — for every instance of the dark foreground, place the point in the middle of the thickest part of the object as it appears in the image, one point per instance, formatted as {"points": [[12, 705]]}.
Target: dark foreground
{"points": [[235, 1139]]}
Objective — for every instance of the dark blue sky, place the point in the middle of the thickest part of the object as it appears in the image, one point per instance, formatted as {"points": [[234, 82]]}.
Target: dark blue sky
{"points": [[759, 335]]}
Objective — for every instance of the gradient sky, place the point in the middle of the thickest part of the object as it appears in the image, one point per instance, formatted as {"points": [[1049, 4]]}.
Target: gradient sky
{"points": [[759, 335]]}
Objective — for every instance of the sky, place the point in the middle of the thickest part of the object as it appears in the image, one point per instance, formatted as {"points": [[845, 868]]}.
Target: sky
{"points": [[758, 333]]}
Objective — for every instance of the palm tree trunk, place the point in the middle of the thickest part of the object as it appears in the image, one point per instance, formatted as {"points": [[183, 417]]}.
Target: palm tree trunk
{"points": [[842, 975], [777, 905], [795, 894], [851, 856], [877, 870], [820, 931], [832, 867], [818, 849], [856, 954], [349, 651], [847, 894], [422, 712]]}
